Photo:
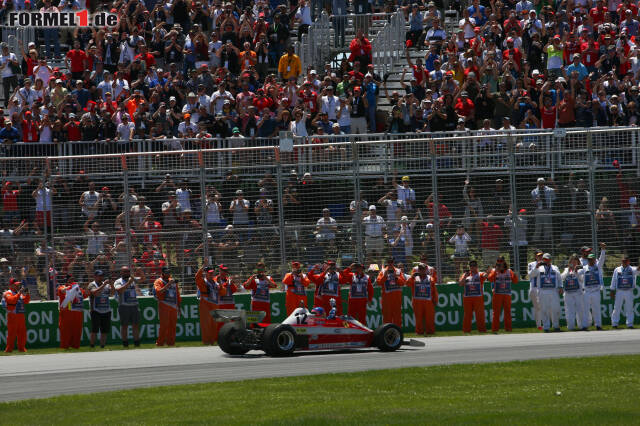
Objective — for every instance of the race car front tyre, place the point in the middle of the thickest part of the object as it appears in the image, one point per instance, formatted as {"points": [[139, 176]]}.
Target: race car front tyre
{"points": [[279, 340], [387, 337], [229, 339]]}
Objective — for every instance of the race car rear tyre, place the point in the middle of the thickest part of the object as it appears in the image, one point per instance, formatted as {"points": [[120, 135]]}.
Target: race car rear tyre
{"points": [[279, 340], [387, 337], [229, 339]]}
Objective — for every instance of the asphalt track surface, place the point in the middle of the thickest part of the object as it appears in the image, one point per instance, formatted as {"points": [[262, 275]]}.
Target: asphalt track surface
{"points": [[40, 376]]}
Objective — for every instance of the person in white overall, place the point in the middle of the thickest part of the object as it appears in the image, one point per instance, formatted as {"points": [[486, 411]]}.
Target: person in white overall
{"points": [[549, 290], [593, 286], [573, 286], [623, 282]]}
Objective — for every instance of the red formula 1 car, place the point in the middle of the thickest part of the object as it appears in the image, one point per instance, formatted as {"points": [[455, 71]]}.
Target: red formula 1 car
{"points": [[302, 331]]}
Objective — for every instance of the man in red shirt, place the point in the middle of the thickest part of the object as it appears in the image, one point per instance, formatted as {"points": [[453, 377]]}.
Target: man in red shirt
{"points": [[72, 128], [145, 56], [29, 128], [597, 13], [10, 201], [76, 61], [309, 98], [491, 238], [464, 108]]}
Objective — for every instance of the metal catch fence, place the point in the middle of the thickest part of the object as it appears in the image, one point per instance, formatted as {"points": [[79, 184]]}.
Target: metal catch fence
{"points": [[438, 199]]}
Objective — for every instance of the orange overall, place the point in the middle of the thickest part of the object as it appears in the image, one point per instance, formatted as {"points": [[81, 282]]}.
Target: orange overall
{"points": [[227, 289], [391, 281], [210, 293], [260, 300], [16, 328], [71, 317], [295, 285], [168, 295], [501, 285], [473, 302], [360, 294], [424, 299], [327, 288]]}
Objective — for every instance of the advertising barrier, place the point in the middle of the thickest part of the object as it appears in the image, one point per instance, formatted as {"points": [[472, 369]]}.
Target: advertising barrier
{"points": [[42, 317]]}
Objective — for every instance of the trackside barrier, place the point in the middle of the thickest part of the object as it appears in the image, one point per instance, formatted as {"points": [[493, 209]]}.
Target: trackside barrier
{"points": [[42, 317]]}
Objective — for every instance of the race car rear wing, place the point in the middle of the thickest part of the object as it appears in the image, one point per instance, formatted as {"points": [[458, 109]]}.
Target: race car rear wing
{"points": [[239, 315]]}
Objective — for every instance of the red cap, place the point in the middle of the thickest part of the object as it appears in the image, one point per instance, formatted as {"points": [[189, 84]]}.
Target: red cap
{"points": [[409, 43], [27, 113], [616, 164], [13, 281], [331, 262], [223, 267], [523, 211], [556, 37], [477, 29], [295, 265]]}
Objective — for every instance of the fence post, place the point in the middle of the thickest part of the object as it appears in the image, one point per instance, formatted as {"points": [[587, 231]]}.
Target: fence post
{"points": [[436, 209], [358, 196], [204, 206], [515, 223], [281, 223], [592, 191], [127, 209]]}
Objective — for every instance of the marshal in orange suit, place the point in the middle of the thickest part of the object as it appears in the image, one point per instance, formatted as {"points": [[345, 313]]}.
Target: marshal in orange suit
{"points": [[391, 279], [168, 295], [13, 300], [424, 296]]}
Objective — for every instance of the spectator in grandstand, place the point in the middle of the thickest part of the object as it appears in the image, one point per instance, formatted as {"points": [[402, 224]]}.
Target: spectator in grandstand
{"points": [[461, 242], [473, 212], [491, 240], [375, 233], [543, 198], [326, 228]]}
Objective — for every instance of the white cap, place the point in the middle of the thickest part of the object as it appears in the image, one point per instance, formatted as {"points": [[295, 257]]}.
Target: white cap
{"points": [[540, 180], [404, 219], [372, 207]]}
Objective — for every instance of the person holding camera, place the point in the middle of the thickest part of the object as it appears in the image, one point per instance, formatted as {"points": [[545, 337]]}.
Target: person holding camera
{"points": [[425, 298], [473, 281], [573, 286], [501, 279], [128, 309], [99, 292], [259, 285], [391, 279], [13, 300], [168, 294]]}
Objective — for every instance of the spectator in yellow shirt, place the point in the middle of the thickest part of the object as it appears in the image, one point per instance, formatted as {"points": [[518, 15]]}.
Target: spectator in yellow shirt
{"points": [[289, 65]]}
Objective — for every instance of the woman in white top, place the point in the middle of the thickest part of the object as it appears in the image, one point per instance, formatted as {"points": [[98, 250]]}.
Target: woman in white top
{"points": [[45, 130], [461, 253], [299, 124], [344, 116]]}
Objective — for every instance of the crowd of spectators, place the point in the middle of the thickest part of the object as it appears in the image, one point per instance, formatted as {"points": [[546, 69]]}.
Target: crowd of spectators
{"points": [[221, 69]]}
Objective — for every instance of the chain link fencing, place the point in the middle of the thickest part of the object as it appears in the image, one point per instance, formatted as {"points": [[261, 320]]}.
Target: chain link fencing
{"points": [[441, 198]]}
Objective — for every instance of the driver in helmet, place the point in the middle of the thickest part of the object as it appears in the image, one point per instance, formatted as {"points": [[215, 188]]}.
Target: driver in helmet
{"points": [[318, 311], [333, 311]]}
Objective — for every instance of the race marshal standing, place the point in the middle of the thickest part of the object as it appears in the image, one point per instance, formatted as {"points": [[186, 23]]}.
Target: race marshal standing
{"points": [[295, 283], [425, 298], [168, 295], [14, 300]]}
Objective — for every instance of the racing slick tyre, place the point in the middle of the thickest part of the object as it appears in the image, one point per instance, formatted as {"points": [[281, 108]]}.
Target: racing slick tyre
{"points": [[387, 337], [229, 339], [279, 340]]}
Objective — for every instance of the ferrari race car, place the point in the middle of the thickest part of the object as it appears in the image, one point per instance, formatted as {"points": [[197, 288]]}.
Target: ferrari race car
{"points": [[302, 331]]}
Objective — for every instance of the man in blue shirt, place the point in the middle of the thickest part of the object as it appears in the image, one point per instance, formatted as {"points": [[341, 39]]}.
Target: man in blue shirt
{"points": [[577, 66], [81, 94], [477, 12], [9, 133], [371, 92]]}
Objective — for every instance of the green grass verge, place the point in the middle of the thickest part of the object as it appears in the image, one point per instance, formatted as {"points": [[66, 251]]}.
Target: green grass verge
{"points": [[556, 391]]}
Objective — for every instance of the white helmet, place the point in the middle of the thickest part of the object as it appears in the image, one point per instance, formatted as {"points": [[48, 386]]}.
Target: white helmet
{"points": [[332, 302]]}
